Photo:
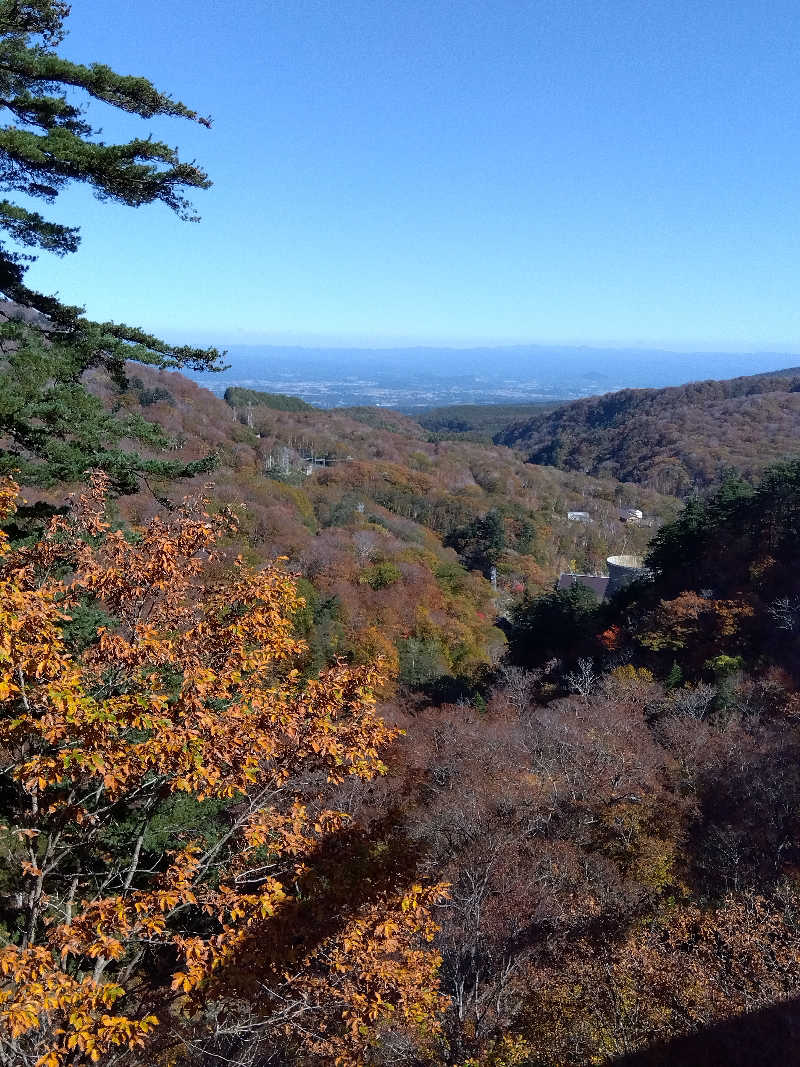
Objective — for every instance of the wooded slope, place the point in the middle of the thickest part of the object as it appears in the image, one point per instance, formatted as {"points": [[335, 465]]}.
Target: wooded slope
{"points": [[672, 440], [395, 534]]}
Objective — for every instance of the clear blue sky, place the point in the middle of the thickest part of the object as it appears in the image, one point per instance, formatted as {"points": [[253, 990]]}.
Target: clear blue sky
{"points": [[457, 171]]}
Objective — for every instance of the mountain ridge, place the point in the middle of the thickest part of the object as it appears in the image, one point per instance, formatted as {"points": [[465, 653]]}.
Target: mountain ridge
{"points": [[675, 439]]}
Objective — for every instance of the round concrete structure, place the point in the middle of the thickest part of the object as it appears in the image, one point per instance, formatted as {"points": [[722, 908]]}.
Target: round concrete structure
{"points": [[622, 570]]}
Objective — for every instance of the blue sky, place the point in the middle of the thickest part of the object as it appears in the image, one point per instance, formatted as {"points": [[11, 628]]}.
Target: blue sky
{"points": [[457, 171]]}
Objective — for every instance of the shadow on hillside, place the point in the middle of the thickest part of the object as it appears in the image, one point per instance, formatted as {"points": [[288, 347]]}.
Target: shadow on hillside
{"points": [[766, 1038]]}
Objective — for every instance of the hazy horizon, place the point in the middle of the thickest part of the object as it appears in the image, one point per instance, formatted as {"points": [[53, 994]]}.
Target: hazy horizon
{"points": [[223, 338], [430, 376]]}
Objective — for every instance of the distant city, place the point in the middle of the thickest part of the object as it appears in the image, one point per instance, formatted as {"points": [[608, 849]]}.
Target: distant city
{"points": [[417, 378]]}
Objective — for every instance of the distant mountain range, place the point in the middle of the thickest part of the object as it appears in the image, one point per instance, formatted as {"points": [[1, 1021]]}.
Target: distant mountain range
{"points": [[411, 379]]}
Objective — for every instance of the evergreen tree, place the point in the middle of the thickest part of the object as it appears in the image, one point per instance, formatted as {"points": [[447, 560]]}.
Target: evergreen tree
{"points": [[554, 624], [51, 429], [480, 542]]}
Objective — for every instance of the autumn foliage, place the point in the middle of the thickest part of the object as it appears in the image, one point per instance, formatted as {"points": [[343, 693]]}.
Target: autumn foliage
{"points": [[674, 440], [177, 880]]}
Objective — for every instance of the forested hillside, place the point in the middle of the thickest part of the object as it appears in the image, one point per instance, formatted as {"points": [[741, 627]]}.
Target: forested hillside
{"points": [[243, 399], [586, 856], [479, 422], [393, 535], [672, 440], [620, 827]]}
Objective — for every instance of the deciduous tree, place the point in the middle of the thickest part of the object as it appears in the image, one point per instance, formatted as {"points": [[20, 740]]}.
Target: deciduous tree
{"points": [[174, 878]]}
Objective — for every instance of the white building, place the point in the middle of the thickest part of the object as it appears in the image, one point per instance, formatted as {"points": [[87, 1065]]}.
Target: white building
{"points": [[631, 515]]}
